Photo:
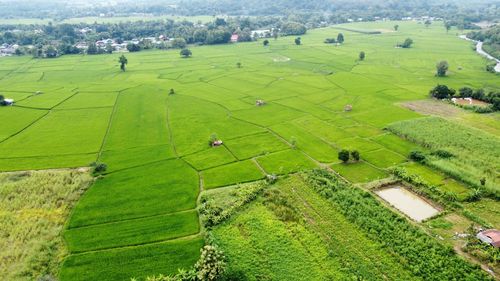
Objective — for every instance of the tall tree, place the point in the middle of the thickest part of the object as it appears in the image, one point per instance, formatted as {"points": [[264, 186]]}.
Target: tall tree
{"points": [[396, 27], [442, 68], [340, 38], [123, 61], [298, 41], [362, 55]]}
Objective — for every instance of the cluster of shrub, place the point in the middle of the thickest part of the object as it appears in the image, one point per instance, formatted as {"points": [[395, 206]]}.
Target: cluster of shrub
{"points": [[213, 213], [445, 92], [345, 155], [423, 255], [211, 266], [338, 40], [406, 44]]}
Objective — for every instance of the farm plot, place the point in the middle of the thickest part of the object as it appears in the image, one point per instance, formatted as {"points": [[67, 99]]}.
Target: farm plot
{"points": [[475, 154], [168, 186], [285, 162], [76, 132], [239, 172], [359, 172], [125, 263], [255, 145]]}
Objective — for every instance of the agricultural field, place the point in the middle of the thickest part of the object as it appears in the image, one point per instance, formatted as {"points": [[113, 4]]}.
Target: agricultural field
{"points": [[141, 216]]}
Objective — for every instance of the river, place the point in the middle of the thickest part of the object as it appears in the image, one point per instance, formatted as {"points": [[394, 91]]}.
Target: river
{"points": [[479, 50]]}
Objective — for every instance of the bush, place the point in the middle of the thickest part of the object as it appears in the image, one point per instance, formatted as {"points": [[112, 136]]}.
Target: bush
{"points": [[442, 92], [211, 265], [186, 53], [417, 156], [355, 155], [98, 168], [442, 153], [407, 43], [343, 155]]}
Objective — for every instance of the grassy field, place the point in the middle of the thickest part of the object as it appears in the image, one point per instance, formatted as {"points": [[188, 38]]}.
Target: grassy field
{"points": [[139, 218], [34, 207]]}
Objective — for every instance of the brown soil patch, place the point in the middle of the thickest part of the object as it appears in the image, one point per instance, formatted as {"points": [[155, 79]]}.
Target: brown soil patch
{"points": [[433, 107], [473, 102]]}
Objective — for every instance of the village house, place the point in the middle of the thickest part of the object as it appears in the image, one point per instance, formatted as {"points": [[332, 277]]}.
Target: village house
{"points": [[234, 38], [490, 236]]}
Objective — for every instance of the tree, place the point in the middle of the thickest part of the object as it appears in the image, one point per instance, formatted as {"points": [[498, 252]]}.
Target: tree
{"points": [[98, 168], [171, 92], [340, 38], [298, 41], [186, 53], [465, 92], [238, 64], [275, 33], [442, 92], [131, 47], [427, 23], [441, 68], [92, 49], [123, 61], [396, 27], [344, 155], [447, 25], [407, 43], [211, 264], [2, 100], [293, 28], [109, 49], [179, 43], [265, 42], [355, 155], [362, 55], [51, 52]]}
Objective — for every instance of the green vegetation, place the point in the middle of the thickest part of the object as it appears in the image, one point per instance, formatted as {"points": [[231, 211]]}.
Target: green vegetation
{"points": [[476, 154], [34, 207], [139, 218]]}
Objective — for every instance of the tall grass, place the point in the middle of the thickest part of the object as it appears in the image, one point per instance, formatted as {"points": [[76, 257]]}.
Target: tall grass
{"points": [[476, 154], [33, 209]]}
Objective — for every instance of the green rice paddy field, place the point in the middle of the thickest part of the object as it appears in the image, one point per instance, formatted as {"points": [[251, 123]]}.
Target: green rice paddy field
{"points": [[140, 218]]}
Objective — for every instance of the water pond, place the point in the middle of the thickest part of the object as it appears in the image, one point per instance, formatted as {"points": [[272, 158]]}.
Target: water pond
{"points": [[407, 202]]}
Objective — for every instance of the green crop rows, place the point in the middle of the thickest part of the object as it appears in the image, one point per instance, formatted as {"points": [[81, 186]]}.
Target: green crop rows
{"points": [[140, 217]]}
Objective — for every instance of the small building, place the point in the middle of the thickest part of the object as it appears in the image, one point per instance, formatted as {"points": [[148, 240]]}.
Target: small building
{"points": [[348, 107], [260, 102], [490, 236], [234, 38], [8, 101], [217, 143]]}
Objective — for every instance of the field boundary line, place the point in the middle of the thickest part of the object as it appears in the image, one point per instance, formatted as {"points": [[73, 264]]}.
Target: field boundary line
{"points": [[108, 129], [131, 219], [183, 238], [26, 127]]}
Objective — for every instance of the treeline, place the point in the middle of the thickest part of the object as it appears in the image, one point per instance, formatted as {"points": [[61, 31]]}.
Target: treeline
{"points": [[418, 252], [445, 92], [64, 36], [465, 11]]}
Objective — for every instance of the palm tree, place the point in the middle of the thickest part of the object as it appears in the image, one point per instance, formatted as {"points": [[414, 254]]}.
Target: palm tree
{"points": [[123, 61]]}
